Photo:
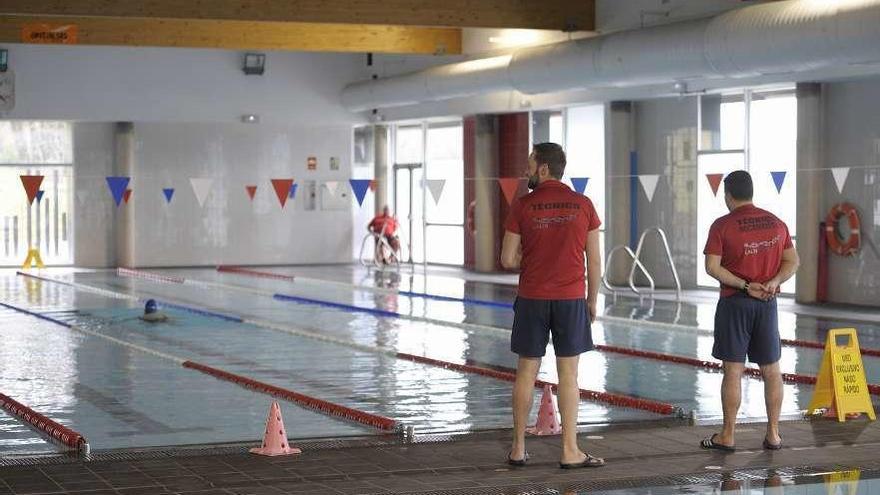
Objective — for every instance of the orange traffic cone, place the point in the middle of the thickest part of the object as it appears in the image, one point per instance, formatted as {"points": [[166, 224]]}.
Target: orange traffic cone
{"points": [[547, 423], [275, 440]]}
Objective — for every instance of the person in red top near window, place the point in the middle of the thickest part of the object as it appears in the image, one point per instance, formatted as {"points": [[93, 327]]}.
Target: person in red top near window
{"points": [[547, 233], [385, 225], [749, 251]]}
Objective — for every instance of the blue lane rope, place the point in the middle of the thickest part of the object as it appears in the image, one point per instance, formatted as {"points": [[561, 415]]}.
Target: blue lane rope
{"points": [[37, 315], [464, 300], [347, 307]]}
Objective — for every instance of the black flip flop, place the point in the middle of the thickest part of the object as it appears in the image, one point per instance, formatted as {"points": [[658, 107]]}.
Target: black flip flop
{"points": [[709, 443], [517, 462], [772, 446], [589, 462]]}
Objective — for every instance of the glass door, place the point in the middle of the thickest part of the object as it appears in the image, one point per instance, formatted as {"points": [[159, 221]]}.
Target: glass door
{"points": [[408, 209]]}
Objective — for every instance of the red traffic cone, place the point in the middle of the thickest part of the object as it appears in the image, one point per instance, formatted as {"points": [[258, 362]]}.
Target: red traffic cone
{"points": [[547, 423], [275, 440]]}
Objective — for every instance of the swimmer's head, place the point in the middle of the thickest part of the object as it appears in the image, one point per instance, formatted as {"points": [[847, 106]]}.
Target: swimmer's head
{"points": [[151, 307]]}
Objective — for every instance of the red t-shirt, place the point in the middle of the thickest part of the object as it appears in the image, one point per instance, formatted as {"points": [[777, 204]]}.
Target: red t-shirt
{"points": [[389, 222], [553, 222], [750, 242]]}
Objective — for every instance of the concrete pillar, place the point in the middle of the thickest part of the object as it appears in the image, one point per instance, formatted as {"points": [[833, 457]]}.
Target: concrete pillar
{"points": [[485, 192], [380, 166], [810, 115], [619, 146], [124, 218]]}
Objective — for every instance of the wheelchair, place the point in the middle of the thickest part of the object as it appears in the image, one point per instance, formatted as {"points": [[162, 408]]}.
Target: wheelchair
{"points": [[383, 255]]}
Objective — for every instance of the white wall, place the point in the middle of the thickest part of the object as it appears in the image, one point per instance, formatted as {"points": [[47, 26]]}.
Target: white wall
{"points": [[229, 228], [852, 139], [94, 235], [108, 84]]}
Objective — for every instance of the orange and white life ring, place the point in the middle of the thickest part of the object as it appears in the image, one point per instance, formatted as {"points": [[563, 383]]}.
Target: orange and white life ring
{"points": [[850, 245]]}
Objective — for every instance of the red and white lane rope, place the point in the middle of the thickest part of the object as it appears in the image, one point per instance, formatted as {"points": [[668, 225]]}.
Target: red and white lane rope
{"points": [[45, 425]]}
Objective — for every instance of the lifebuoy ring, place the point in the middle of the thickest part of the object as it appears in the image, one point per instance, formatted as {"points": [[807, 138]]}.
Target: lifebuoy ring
{"points": [[850, 245]]}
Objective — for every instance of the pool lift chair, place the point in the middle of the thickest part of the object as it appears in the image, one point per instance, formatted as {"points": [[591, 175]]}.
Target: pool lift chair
{"points": [[377, 259]]}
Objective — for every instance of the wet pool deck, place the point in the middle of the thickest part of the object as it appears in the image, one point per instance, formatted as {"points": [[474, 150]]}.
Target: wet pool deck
{"points": [[644, 455]]}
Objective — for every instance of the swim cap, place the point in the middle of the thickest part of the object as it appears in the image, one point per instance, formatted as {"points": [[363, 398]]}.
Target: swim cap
{"points": [[150, 307]]}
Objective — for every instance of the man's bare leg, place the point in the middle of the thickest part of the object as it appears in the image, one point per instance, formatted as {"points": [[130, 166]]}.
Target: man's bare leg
{"points": [[773, 393], [569, 401], [523, 394], [731, 396]]}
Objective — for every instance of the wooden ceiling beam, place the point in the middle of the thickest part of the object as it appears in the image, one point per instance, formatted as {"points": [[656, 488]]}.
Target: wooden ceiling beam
{"points": [[231, 35], [570, 15]]}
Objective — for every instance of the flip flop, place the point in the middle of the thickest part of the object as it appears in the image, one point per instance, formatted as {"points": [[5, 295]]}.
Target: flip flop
{"points": [[589, 462], [772, 446], [517, 462], [709, 443]]}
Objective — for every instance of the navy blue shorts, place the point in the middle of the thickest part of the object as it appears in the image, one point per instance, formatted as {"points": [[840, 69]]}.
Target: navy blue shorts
{"points": [[534, 320], [746, 326]]}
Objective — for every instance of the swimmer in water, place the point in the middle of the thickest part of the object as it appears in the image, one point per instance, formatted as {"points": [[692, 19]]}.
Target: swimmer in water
{"points": [[152, 314]]}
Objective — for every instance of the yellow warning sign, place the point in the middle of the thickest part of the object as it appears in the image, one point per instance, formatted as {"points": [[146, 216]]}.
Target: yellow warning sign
{"points": [[841, 383], [33, 257], [843, 482]]}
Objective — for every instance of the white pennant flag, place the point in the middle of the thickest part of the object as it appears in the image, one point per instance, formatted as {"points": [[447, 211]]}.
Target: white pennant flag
{"points": [[332, 186], [436, 187], [201, 188], [840, 175], [649, 184], [81, 196]]}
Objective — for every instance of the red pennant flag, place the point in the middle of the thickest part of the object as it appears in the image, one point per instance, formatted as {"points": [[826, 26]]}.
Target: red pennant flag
{"points": [[251, 191], [714, 182], [509, 185], [31, 185], [373, 185], [282, 189], [126, 196]]}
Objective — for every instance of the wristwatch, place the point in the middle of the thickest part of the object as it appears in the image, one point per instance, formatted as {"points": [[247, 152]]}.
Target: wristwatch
{"points": [[746, 287]]}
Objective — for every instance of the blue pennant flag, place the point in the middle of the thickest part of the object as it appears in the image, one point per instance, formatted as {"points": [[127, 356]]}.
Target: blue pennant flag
{"points": [[117, 187], [168, 192], [292, 193], [40, 195], [360, 186], [580, 183], [778, 179]]}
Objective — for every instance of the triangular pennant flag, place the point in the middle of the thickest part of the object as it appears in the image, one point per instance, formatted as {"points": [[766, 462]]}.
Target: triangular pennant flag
{"points": [[332, 185], [31, 185], [292, 193], [251, 191], [715, 182], [649, 184], [282, 189], [509, 185], [126, 195], [360, 186], [168, 192], [40, 195], [580, 184], [840, 174], [117, 187], [778, 179], [201, 187], [436, 187], [82, 196]]}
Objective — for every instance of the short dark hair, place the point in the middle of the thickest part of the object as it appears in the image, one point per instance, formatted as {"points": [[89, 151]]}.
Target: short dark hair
{"points": [[552, 155], [739, 185]]}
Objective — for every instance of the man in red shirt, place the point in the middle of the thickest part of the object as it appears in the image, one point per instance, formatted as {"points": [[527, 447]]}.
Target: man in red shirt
{"points": [[749, 251], [385, 225], [547, 233]]}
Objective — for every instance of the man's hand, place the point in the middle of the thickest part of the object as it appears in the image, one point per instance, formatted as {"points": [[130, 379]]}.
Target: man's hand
{"points": [[772, 287], [591, 306], [758, 291]]}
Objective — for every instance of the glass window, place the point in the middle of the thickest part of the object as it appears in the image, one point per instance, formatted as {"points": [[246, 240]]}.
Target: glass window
{"points": [[445, 161], [548, 126], [408, 144], [722, 122], [710, 206], [24, 142]]}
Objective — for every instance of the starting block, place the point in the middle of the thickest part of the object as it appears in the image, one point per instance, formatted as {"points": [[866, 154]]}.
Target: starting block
{"points": [[841, 383], [33, 258]]}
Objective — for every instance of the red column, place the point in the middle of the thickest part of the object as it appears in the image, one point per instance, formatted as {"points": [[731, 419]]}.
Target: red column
{"points": [[513, 161], [469, 133]]}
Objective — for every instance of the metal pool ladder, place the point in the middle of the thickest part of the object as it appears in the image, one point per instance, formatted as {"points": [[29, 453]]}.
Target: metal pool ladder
{"points": [[637, 264]]}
